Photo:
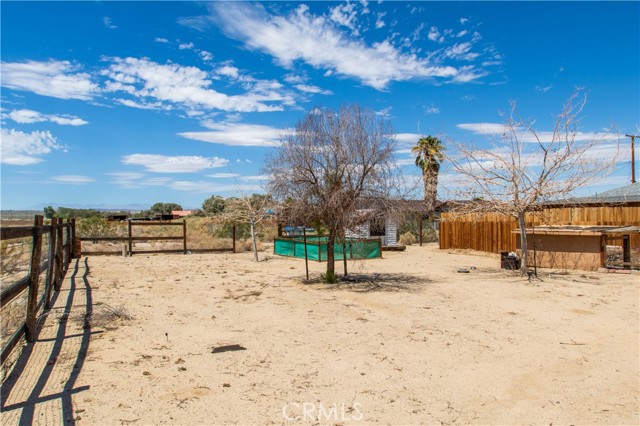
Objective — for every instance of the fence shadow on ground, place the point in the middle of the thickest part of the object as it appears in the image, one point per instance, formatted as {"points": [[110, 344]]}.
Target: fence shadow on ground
{"points": [[378, 282], [38, 363]]}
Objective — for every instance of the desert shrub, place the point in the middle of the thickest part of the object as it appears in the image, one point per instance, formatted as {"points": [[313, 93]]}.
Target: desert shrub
{"points": [[329, 277], [98, 227], [430, 235], [407, 239], [247, 245]]}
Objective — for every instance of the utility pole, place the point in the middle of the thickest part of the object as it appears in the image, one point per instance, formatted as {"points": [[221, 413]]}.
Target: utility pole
{"points": [[633, 158]]}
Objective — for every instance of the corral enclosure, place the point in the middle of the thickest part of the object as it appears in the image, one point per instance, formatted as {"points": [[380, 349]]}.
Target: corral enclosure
{"points": [[193, 234], [218, 338]]}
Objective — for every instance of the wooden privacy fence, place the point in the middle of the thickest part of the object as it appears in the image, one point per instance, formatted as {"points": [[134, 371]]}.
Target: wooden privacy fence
{"points": [[492, 232], [130, 239], [60, 252]]}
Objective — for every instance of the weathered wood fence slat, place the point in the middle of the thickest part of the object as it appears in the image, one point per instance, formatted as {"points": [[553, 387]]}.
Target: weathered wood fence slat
{"points": [[59, 255]]}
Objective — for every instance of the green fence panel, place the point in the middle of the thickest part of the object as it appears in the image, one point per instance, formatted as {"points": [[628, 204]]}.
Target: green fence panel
{"points": [[317, 248]]}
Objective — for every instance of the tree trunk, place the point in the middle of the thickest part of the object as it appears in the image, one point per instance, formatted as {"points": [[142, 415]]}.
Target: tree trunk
{"points": [[254, 245], [523, 243], [331, 263], [430, 178]]}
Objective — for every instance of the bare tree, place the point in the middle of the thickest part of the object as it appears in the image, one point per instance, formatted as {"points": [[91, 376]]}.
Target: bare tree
{"points": [[523, 167], [253, 210], [329, 165]]}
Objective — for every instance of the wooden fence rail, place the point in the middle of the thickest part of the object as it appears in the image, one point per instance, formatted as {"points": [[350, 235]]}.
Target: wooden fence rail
{"points": [[130, 239], [61, 251]]}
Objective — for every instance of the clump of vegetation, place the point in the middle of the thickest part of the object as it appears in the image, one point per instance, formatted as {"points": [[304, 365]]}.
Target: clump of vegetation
{"points": [[330, 277], [430, 235], [407, 239]]}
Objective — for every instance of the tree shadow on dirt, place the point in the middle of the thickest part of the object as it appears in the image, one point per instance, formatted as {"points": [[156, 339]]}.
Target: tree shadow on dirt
{"points": [[379, 282]]}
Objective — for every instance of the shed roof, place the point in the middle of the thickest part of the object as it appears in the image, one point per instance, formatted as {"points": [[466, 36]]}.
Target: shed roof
{"points": [[625, 194]]}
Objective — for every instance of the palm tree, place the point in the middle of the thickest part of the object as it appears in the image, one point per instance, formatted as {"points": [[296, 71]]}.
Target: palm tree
{"points": [[428, 157]]}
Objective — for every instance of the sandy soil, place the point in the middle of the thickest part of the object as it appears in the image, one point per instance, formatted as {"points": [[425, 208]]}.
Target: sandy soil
{"points": [[220, 339]]}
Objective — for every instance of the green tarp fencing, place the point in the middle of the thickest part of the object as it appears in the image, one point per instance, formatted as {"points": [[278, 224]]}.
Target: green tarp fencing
{"points": [[317, 248]]}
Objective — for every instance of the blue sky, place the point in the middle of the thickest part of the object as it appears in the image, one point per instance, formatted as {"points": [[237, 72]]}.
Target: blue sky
{"points": [[132, 103]]}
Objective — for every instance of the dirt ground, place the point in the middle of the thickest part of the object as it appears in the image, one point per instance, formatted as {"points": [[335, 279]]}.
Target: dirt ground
{"points": [[220, 339]]}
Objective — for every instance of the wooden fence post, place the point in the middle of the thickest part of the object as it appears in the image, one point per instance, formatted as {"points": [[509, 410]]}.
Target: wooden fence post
{"points": [[51, 270], [67, 248], [59, 266], [73, 239], [420, 228], [34, 276], [184, 235], [130, 239], [233, 237]]}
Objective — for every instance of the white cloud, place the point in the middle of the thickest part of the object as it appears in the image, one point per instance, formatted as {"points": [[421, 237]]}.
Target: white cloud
{"points": [[406, 162], [316, 41], [313, 89], [237, 134], [497, 129], [160, 40], [228, 71], [187, 87], [431, 109], [256, 178], [345, 15], [173, 164], [185, 46], [137, 180], [408, 138], [212, 187], [544, 89], [483, 128], [461, 51], [434, 35], [73, 179], [25, 116], [58, 79], [22, 149], [206, 56], [384, 112], [379, 20], [223, 175], [463, 20], [107, 23]]}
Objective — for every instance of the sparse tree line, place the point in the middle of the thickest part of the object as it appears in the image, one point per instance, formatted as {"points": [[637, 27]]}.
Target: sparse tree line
{"points": [[336, 170]]}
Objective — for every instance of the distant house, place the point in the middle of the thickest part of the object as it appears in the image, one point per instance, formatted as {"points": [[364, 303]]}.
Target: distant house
{"points": [[177, 214], [386, 226]]}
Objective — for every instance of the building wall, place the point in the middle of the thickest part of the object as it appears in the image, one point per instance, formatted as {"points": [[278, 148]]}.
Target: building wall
{"points": [[360, 231], [391, 232], [492, 232], [581, 252]]}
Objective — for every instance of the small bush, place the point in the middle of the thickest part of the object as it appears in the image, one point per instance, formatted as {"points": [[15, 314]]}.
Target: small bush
{"points": [[329, 278], [247, 245], [430, 235], [407, 239]]}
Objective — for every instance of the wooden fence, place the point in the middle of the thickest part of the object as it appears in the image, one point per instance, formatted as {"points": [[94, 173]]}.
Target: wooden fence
{"points": [[60, 252], [492, 232], [130, 239]]}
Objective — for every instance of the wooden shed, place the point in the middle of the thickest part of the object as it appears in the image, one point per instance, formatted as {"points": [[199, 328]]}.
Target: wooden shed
{"points": [[582, 247]]}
